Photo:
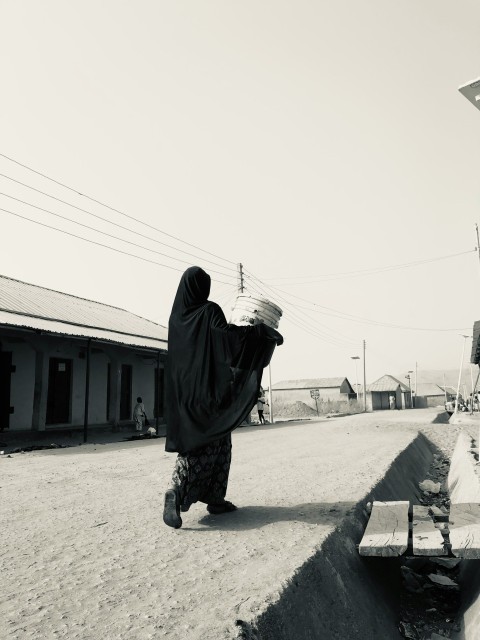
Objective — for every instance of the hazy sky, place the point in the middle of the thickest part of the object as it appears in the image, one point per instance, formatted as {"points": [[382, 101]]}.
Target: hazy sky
{"points": [[304, 139]]}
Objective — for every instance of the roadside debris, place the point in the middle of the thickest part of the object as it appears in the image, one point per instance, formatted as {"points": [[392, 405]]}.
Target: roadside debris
{"points": [[437, 512], [143, 436], [39, 447], [444, 581], [431, 487], [449, 563], [430, 598], [408, 630]]}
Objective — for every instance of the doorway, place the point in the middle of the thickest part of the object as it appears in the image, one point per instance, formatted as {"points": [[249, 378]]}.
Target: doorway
{"points": [[59, 391], [126, 392], [5, 386], [159, 393]]}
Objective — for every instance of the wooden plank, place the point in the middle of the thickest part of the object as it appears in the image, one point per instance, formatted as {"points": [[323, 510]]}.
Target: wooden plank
{"points": [[464, 527], [427, 539], [387, 530]]}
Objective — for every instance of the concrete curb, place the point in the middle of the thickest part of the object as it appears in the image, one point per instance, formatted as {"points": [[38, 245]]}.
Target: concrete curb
{"points": [[464, 486], [463, 480]]}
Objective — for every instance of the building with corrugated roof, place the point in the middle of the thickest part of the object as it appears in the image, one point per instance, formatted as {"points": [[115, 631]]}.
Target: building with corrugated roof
{"points": [[66, 361], [429, 394], [378, 394], [330, 389]]}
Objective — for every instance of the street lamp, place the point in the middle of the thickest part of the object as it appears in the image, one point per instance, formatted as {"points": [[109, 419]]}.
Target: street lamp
{"points": [[408, 377], [471, 91], [356, 358]]}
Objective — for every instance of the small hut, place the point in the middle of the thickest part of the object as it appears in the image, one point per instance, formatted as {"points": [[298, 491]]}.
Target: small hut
{"points": [[379, 392]]}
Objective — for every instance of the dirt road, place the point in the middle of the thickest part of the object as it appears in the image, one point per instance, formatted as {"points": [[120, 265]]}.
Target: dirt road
{"points": [[85, 554]]}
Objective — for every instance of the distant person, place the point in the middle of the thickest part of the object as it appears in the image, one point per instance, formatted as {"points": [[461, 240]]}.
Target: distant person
{"points": [[213, 375], [392, 401], [260, 408], [139, 414]]}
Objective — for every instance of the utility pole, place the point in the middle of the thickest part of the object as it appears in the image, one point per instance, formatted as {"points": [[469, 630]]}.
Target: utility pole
{"points": [[240, 277], [478, 242], [87, 392], [471, 382], [460, 373], [270, 392], [416, 373], [157, 392], [445, 388], [364, 380], [409, 378]]}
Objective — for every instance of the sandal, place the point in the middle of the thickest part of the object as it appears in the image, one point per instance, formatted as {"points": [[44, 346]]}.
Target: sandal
{"points": [[171, 510], [223, 507]]}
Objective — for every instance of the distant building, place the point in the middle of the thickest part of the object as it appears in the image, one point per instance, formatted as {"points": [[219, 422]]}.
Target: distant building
{"points": [[330, 389], [429, 394], [450, 391], [49, 339], [378, 394]]}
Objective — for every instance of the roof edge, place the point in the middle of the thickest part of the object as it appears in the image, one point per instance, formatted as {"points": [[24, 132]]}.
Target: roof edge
{"points": [[71, 295], [85, 326]]}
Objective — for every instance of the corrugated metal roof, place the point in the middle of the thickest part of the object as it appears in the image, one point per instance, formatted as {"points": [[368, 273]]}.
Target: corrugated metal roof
{"points": [[386, 383], [309, 383], [429, 389], [28, 305], [450, 390], [65, 329]]}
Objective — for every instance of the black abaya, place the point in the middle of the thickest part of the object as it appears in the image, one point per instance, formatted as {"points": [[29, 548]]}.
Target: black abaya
{"points": [[214, 369]]}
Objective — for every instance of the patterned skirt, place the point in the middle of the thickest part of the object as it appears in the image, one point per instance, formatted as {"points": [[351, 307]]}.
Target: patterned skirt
{"points": [[202, 475]]}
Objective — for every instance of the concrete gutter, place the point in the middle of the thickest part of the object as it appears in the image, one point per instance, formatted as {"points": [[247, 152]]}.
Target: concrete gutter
{"points": [[463, 483], [336, 593], [463, 480]]}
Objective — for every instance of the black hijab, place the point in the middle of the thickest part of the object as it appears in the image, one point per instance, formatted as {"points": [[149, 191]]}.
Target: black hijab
{"points": [[214, 369]]}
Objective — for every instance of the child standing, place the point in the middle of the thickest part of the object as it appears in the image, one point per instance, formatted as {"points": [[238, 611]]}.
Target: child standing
{"points": [[260, 408], [139, 414]]}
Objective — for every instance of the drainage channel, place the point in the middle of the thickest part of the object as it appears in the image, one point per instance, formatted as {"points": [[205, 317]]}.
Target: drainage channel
{"points": [[339, 595], [430, 595]]}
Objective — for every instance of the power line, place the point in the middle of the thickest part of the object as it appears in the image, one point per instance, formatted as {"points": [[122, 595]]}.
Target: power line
{"points": [[343, 339], [346, 316], [226, 296], [309, 327], [109, 235], [113, 208], [115, 224], [302, 323], [99, 244], [363, 272]]}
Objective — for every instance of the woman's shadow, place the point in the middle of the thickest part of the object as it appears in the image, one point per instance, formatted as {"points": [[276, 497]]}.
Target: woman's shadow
{"points": [[254, 517]]}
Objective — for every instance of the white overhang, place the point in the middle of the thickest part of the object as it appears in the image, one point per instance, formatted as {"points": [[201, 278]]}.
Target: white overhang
{"points": [[21, 321]]}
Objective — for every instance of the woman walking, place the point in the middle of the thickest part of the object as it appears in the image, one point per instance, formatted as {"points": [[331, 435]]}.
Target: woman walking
{"points": [[213, 377]]}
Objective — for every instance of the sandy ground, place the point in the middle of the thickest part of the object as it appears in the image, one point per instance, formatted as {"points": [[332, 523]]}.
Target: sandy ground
{"points": [[85, 554]]}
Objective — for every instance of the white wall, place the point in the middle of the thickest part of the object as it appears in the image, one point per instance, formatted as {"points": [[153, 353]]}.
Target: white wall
{"points": [[143, 385], [24, 345], [303, 395], [23, 380]]}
